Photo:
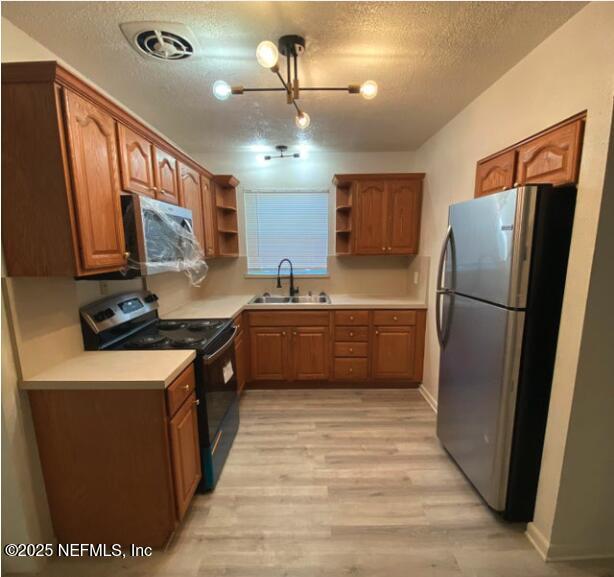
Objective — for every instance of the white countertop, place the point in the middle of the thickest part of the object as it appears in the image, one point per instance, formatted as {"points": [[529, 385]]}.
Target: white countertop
{"points": [[114, 370], [230, 305]]}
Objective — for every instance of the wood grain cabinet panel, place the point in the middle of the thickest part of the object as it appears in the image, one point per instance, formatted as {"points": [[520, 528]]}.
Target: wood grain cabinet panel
{"points": [[310, 353], [185, 453], [191, 197], [137, 163], [351, 369], [495, 174], [404, 205], [394, 351], [96, 190], [209, 214], [553, 157], [370, 218], [269, 353], [166, 172]]}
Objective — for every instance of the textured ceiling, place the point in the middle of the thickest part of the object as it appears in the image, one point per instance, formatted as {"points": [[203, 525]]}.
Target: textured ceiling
{"points": [[430, 59]]}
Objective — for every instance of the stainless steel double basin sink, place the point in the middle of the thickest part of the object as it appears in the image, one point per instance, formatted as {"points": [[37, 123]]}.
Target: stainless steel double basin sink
{"points": [[269, 299]]}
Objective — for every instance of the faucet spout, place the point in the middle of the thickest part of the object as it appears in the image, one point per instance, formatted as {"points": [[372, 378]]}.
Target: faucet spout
{"points": [[293, 290]]}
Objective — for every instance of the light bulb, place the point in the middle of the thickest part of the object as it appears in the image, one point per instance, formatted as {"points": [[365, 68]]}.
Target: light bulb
{"points": [[368, 89], [302, 120], [221, 90], [267, 54]]}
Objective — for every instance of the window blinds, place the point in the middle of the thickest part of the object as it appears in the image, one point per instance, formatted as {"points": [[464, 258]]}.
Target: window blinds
{"points": [[290, 225]]}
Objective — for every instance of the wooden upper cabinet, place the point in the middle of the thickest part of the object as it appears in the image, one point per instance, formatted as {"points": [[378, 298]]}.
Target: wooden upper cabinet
{"points": [[137, 164], [549, 157], [96, 186], [185, 451], [495, 174], [191, 197], [370, 219], [208, 216], [553, 157], [404, 205], [166, 174], [310, 353]]}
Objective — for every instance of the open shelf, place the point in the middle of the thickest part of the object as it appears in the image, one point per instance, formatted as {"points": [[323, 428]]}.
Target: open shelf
{"points": [[343, 218], [226, 215]]}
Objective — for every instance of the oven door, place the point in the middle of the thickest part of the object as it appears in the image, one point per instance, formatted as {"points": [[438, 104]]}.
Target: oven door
{"points": [[218, 386]]}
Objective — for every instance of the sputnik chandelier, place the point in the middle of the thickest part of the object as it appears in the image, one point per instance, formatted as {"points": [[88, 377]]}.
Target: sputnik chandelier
{"points": [[290, 46]]}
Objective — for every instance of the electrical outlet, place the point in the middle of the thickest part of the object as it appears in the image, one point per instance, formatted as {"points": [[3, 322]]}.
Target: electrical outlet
{"points": [[416, 277]]}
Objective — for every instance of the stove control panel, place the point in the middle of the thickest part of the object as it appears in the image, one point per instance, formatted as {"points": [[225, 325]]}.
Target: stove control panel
{"points": [[118, 309]]}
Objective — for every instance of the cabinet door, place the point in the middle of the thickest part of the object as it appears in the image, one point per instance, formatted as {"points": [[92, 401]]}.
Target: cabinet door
{"points": [[404, 206], [96, 189], [269, 353], [191, 197], [185, 454], [394, 352], [136, 156], [310, 353], [553, 157], [166, 174], [370, 218], [209, 216], [495, 174]]}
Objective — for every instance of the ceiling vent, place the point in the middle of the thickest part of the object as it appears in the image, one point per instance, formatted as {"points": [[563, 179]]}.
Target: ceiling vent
{"points": [[160, 40]]}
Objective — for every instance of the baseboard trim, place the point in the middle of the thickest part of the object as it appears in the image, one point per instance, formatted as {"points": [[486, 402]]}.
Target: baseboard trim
{"points": [[538, 540], [430, 399], [553, 553]]}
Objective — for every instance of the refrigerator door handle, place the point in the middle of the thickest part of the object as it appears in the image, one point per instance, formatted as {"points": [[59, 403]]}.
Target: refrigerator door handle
{"points": [[441, 290]]}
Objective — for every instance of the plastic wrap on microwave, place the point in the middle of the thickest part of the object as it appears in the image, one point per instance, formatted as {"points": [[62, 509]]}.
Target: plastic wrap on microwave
{"points": [[169, 241]]}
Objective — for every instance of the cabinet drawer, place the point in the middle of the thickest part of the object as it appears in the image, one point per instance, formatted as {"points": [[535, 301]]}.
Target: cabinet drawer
{"points": [[289, 319], [180, 389], [350, 369], [352, 318], [394, 318], [352, 334], [351, 349]]}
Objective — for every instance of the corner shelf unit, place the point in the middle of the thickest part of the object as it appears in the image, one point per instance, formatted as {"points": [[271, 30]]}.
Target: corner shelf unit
{"points": [[226, 217], [343, 217]]}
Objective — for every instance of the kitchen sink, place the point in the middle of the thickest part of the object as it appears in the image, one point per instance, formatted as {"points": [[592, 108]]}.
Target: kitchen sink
{"points": [[267, 298]]}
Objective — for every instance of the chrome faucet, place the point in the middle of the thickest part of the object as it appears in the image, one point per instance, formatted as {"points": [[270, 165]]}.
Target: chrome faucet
{"points": [[293, 291]]}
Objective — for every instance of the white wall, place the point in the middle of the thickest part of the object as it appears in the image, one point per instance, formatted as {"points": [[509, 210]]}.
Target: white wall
{"points": [[570, 71]]}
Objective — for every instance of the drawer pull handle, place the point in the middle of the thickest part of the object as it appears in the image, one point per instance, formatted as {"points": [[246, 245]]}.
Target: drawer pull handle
{"points": [[351, 334], [187, 387]]}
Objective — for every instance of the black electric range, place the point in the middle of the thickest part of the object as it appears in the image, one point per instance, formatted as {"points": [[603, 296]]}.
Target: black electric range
{"points": [[130, 321]]}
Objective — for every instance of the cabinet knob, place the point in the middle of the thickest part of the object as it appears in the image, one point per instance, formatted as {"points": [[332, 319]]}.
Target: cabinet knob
{"points": [[127, 254], [377, 332], [295, 333], [351, 334], [186, 387], [283, 333], [395, 318], [384, 248], [351, 350], [351, 318], [197, 402], [351, 370], [389, 248]]}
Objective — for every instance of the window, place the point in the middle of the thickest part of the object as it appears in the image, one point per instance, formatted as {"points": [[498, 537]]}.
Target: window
{"points": [[290, 225]]}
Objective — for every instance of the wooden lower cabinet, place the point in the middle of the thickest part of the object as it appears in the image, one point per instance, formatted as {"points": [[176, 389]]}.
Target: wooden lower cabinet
{"points": [[185, 452], [394, 352], [269, 353], [387, 347], [120, 466], [310, 353]]}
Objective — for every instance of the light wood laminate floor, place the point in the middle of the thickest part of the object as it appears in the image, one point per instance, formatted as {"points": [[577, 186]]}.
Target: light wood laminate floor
{"points": [[340, 482]]}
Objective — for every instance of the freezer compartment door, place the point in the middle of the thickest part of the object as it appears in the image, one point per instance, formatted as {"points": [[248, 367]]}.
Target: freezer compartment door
{"points": [[477, 393], [492, 237]]}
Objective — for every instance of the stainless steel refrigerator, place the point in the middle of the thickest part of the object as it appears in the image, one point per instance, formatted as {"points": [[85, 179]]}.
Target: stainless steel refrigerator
{"points": [[499, 294]]}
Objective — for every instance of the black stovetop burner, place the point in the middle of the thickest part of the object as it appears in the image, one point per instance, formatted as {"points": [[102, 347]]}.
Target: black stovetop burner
{"points": [[176, 334]]}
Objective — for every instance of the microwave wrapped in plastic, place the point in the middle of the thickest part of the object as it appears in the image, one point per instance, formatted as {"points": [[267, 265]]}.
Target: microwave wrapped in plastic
{"points": [[160, 238]]}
